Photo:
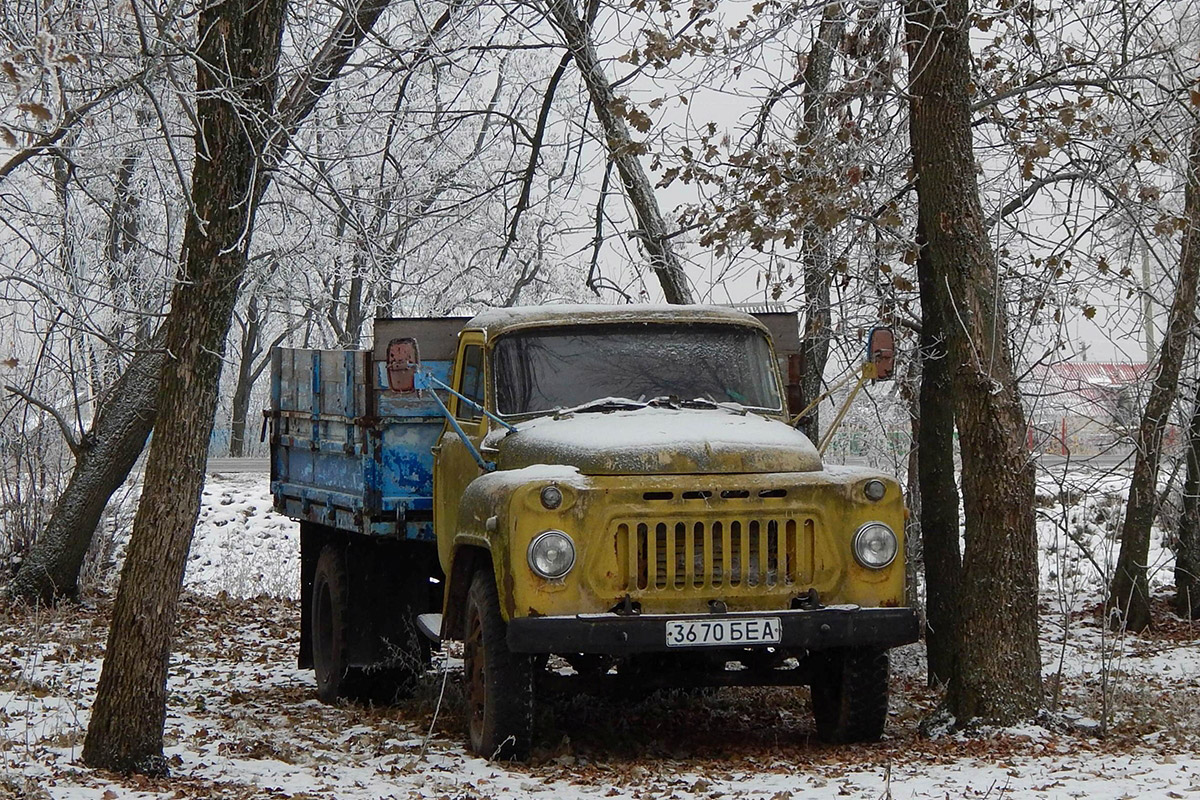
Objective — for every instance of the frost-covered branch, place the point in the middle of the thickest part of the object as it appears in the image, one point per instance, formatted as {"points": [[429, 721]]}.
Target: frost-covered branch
{"points": [[67, 432]]}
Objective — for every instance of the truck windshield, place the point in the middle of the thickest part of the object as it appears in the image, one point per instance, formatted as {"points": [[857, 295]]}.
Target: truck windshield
{"points": [[549, 368]]}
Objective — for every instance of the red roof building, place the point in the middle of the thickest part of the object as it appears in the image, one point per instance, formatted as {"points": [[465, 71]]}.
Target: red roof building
{"points": [[1084, 406]]}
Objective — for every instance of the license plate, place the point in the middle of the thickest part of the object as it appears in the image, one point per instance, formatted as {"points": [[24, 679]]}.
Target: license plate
{"points": [[729, 632]]}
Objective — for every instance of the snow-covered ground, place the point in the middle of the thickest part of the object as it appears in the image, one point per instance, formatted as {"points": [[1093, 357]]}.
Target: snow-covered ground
{"points": [[244, 722]]}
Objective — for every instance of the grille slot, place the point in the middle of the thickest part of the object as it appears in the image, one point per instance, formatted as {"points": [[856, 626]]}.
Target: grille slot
{"points": [[670, 555]]}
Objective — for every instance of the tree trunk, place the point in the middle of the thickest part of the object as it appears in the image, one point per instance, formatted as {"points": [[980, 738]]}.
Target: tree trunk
{"points": [[235, 82], [107, 454], [355, 312], [123, 223], [1129, 599], [121, 238], [998, 678], [652, 231], [914, 545], [938, 489], [818, 324], [814, 254], [250, 350], [1187, 548]]}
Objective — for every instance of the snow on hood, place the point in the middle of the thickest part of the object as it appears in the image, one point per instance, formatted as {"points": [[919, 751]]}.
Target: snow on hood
{"points": [[658, 441]]}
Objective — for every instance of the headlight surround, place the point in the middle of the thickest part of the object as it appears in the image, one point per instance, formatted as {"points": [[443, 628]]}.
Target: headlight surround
{"points": [[875, 489], [875, 545], [551, 554]]}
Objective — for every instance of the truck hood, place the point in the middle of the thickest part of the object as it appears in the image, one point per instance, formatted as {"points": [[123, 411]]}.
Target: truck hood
{"points": [[657, 441]]}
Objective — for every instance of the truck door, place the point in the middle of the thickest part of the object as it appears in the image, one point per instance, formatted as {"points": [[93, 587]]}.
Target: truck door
{"points": [[454, 466]]}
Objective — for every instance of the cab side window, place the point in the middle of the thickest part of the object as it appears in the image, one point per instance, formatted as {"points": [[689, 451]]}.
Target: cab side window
{"points": [[470, 383]]}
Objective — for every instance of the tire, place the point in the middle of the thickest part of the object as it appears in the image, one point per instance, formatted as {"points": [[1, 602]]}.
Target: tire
{"points": [[498, 684], [850, 696], [330, 624], [398, 672]]}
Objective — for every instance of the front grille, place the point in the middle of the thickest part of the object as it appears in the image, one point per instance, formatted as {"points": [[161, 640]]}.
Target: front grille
{"points": [[702, 554]]}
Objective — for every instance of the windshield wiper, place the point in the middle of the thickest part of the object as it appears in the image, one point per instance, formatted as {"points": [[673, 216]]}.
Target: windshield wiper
{"points": [[661, 401], [673, 401], [606, 404]]}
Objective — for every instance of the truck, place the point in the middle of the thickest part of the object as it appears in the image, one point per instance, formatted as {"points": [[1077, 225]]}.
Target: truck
{"points": [[587, 496]]}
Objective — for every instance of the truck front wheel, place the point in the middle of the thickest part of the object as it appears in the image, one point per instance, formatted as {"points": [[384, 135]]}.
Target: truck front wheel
{"points": [[499, 683], [850, 695], [330, 623]]}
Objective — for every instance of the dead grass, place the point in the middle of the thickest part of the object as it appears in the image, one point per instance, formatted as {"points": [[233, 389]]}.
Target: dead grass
{"points": [[236, 693]]}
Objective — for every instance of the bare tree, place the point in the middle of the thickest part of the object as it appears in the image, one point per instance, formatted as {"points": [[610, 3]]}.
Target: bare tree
{"points": [[236, 76], [106, 453], [96, 266], [998, 676], [1187, 538], [624, 151], [253, 358], [1129, 598], [103, 458]]}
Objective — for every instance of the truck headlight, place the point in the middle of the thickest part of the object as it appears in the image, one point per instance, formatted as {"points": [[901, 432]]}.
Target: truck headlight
{"points": [[875, 545], [551, 554]]}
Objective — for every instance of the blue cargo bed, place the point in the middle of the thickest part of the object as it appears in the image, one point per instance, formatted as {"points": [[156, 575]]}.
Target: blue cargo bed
{"points": [[348, 453]]}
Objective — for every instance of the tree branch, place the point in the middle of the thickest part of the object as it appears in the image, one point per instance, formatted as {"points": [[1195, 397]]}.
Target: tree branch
{"points": [[760, 121], [1038, 86], [652, 228], [308, 87], [535, 150], [68, 434], [1022, 200], [72, 118], [598, 239]]}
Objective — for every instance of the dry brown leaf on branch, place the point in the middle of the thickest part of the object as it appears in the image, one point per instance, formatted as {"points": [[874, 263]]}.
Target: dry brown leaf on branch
{"points": [[38, 110]]}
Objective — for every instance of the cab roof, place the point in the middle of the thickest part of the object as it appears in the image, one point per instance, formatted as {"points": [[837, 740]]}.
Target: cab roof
{"points": [[496, 321]]}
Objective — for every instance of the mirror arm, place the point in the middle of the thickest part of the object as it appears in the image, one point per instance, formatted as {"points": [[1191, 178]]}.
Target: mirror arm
{"points": [[868, 374], [425, 380], [808, 408]]}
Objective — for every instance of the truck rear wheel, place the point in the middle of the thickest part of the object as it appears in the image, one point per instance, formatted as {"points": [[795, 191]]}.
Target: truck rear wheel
{"points": [[397, 665], [850, 696], [499, 683], [330, 624]]}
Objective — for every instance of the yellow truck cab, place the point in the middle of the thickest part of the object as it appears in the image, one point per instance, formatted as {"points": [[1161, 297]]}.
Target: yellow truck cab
{"points": [[618, 490]]}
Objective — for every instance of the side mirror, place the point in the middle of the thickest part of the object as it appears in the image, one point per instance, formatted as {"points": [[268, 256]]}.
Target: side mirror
{"points": [[403, 359], [881, 352]]}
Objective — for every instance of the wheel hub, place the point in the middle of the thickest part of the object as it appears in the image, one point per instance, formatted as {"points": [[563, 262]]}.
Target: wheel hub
{"points": [[474, 667]]}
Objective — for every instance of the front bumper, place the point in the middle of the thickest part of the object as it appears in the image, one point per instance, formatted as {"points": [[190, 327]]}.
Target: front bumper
{"points": [[624, 634]]}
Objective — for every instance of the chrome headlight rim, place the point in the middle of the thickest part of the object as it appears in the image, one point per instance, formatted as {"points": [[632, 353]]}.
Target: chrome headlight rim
{"points": [[858, 545], [539, 542]]}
